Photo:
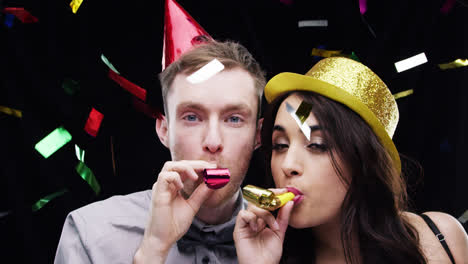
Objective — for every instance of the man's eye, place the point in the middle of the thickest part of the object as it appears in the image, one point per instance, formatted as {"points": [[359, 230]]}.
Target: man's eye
{"points": [[191, 118], [234, 119]]}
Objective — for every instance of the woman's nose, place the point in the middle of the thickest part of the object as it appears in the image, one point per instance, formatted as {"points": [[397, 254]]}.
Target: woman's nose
{"points": [[292, 163]]}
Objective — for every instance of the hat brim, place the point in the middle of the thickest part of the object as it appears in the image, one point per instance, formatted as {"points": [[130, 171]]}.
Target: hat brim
{"points": [[288, 81]]}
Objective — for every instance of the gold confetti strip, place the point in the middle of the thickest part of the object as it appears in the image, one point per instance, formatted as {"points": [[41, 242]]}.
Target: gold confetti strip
{"points": [[454, 64], [11, 111], [403, 94], [325, 53], [303, 111], [75, 4]]}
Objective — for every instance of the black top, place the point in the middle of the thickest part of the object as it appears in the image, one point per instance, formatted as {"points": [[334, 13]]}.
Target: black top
{"points": [[439, 235]]}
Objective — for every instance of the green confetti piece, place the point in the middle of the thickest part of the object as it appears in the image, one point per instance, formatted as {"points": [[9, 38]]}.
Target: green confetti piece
{"points": [[107, 62], [86, 172], [52, 142], [43, 201], [303, 111], [353, 56], [88, 176], [70, 86]]}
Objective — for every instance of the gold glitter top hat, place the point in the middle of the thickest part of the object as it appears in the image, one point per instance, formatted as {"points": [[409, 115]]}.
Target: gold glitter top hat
{"points": [[351, 83]]}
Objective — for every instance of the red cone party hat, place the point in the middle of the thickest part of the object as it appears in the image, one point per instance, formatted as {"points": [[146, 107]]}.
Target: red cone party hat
{"points": [[181, 32]]}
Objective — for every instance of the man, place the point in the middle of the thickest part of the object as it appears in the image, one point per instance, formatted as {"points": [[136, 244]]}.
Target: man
{"points": [[209, 124]]}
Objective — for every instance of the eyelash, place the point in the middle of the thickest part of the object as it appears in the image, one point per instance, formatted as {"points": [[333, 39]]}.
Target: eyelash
{"points": [[313, 146]]}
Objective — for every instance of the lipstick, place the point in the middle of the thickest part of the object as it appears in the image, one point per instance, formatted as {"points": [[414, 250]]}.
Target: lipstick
{"points": [[266, 199], [216, 178]]}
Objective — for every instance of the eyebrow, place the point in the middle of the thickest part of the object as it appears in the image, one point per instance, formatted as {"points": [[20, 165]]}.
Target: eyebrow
{"points": [[282, 129], [227, 108]]}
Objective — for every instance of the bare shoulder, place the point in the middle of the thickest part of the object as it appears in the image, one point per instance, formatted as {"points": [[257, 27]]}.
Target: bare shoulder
{"points": [[454, 234]]}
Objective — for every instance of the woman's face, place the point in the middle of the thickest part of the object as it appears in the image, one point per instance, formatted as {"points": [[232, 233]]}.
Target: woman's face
{"points": [[307, 166]]}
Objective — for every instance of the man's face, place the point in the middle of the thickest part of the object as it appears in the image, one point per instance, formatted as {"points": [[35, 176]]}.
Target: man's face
{"points": [[215, 121]]}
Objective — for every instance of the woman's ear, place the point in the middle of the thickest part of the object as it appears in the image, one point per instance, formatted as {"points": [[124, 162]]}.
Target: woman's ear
{"points": [[258, 133], [162, 130]]}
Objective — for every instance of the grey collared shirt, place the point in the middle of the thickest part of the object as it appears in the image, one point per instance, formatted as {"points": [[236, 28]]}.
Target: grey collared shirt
{"points": [[110, 231]]}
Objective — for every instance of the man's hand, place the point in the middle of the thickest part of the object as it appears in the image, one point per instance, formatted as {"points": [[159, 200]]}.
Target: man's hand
{"points": [[259, 236], [171, 213]]}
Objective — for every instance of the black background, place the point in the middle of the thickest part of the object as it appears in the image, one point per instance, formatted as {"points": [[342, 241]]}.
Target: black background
{"points": [[35, 59]]}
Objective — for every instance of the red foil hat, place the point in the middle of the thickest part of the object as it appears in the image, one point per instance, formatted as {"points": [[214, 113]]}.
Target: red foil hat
{"points": [[181, 32]]}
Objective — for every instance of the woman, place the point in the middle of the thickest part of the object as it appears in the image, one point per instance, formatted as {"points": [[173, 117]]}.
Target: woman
{"points": [[346, 172]]}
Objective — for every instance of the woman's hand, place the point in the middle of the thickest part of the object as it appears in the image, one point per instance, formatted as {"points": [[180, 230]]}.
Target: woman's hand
{"points": [[259, 236]]}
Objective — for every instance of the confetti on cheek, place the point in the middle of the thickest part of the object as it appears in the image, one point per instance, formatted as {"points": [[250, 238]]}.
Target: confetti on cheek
{"points": [[11, 111], [303, 111], [75, 4], [312, 23], [86, 172], [43, 201], [107, 62], [9, 19], [304, 127], [454, 64], [127, 85], [23, 15], [206, 72], [403, 94], [94, 122], [53, 142], [411, 62], [363, 6]]}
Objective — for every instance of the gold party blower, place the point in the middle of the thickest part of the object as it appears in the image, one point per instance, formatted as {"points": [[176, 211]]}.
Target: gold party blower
{"points": [[264, 198]]}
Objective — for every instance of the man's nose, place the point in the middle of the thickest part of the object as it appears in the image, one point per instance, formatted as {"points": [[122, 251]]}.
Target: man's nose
{"points": [[213, 142], [292, 163]]}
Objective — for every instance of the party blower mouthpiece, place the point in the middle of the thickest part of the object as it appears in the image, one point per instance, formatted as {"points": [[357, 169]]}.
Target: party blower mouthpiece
{"points": [[266, 199]]}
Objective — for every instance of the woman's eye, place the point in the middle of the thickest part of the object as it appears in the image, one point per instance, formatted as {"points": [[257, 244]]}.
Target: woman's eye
{"points": [[279, 146], [318, 146], [191, 118]]}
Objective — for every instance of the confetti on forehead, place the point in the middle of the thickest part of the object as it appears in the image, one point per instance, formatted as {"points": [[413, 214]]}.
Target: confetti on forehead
{"points": [[303, 111], [303, 126], [206, 72]]}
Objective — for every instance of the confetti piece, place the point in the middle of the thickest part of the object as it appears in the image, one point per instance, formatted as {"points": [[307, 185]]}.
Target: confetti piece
{"points": [[107, 62], [23, 15], [287, 2], [362, 6], [353, 56], [303, 111], [312, 23], [206, 72], [94, 122], [454, 64], [75, 4], [304, 127], [447, 6], [325, 53], [53, 142], [146, 109], [70, 86], [3, 214], [9, 19], [464, 217], [127, 85], [11, 111], [43, 201], [403, 94], [411, 62], [86, 172]]}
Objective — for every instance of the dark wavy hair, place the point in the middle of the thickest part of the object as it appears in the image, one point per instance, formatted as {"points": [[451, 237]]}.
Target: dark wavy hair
{"points": [[376, 197]]}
